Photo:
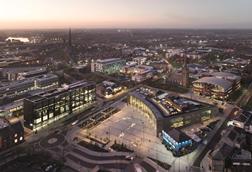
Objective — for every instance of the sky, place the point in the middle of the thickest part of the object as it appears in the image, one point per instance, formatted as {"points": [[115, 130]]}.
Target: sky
{"points": [[36, 14]]}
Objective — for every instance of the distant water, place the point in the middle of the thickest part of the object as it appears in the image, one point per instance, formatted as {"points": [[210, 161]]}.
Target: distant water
{"points": [[21, 39]]}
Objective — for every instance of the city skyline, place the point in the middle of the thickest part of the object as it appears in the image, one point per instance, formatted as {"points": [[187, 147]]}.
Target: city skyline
{"points": [[195, 14]]}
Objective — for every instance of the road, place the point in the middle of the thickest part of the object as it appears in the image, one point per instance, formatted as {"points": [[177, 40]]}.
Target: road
{"points": [[243, 100], [62, 125], [213, 142]]}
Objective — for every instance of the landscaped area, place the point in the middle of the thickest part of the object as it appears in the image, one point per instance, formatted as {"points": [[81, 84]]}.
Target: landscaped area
{"points": [[166, 86]]}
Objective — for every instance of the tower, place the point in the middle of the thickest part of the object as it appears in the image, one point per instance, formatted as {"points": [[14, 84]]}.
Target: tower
{"points": [[70, 38], [185, 74]]}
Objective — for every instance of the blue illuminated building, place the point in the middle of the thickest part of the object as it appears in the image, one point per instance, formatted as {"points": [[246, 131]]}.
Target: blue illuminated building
{"points": [[176, 140]]}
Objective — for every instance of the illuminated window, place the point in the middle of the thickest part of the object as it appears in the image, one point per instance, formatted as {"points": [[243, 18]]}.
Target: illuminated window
{"points": [[45, 118], [50, 115], [37, 121]]}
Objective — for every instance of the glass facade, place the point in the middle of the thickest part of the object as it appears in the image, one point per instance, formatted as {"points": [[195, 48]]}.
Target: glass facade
{"points": [[174, 145], [211, 90], [54, 107], [144, 108], [109, 66], [191, 118]]}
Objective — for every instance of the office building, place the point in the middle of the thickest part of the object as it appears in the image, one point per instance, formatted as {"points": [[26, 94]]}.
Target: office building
{"points": [[19, 73], [41, 110], [12, 109], [108, 66], [138, 73], [217, 85], [213, 87], [176, 140], [109, 89], [18, 88]]}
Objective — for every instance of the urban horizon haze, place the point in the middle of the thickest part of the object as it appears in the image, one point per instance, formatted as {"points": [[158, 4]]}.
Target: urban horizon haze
{"points": [[195, 14]]}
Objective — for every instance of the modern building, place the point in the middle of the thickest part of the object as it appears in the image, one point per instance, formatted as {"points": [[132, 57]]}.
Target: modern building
{"points": [[44, 82], [19, 73], [108, 66], [170, 111], [12, 109], [109, 89], [218, 85], [235, 79], [213, 87], [32, 73], [176, 140], [11, 133], [138, 73], [41, 110], [17, 88]]}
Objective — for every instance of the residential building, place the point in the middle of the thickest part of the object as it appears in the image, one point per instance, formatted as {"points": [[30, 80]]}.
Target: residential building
{"points": [[11, 133]]}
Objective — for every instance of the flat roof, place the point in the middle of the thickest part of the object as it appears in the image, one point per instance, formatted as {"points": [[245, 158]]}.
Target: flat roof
{"points": [[108, 60], [162, 111], [215, 81], [146, 101], [178, 135], [226, 75], [55, 92], [10, 85]]}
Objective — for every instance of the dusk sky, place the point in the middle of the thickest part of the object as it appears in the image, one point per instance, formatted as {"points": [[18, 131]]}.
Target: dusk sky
{"points": [[20, 14]]}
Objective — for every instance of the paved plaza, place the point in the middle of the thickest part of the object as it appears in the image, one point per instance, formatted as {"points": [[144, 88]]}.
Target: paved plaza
{"points": [[133, 128]]}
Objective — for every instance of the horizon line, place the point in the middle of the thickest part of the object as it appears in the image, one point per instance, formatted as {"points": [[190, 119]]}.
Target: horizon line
{"points": [[118, 28]]}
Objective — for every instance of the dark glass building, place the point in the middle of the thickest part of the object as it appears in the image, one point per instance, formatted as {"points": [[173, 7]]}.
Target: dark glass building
{"points": [[41, 110]]}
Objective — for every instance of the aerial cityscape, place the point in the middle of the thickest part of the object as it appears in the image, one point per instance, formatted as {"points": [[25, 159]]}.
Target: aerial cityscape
{"points": [[125, 86]]}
